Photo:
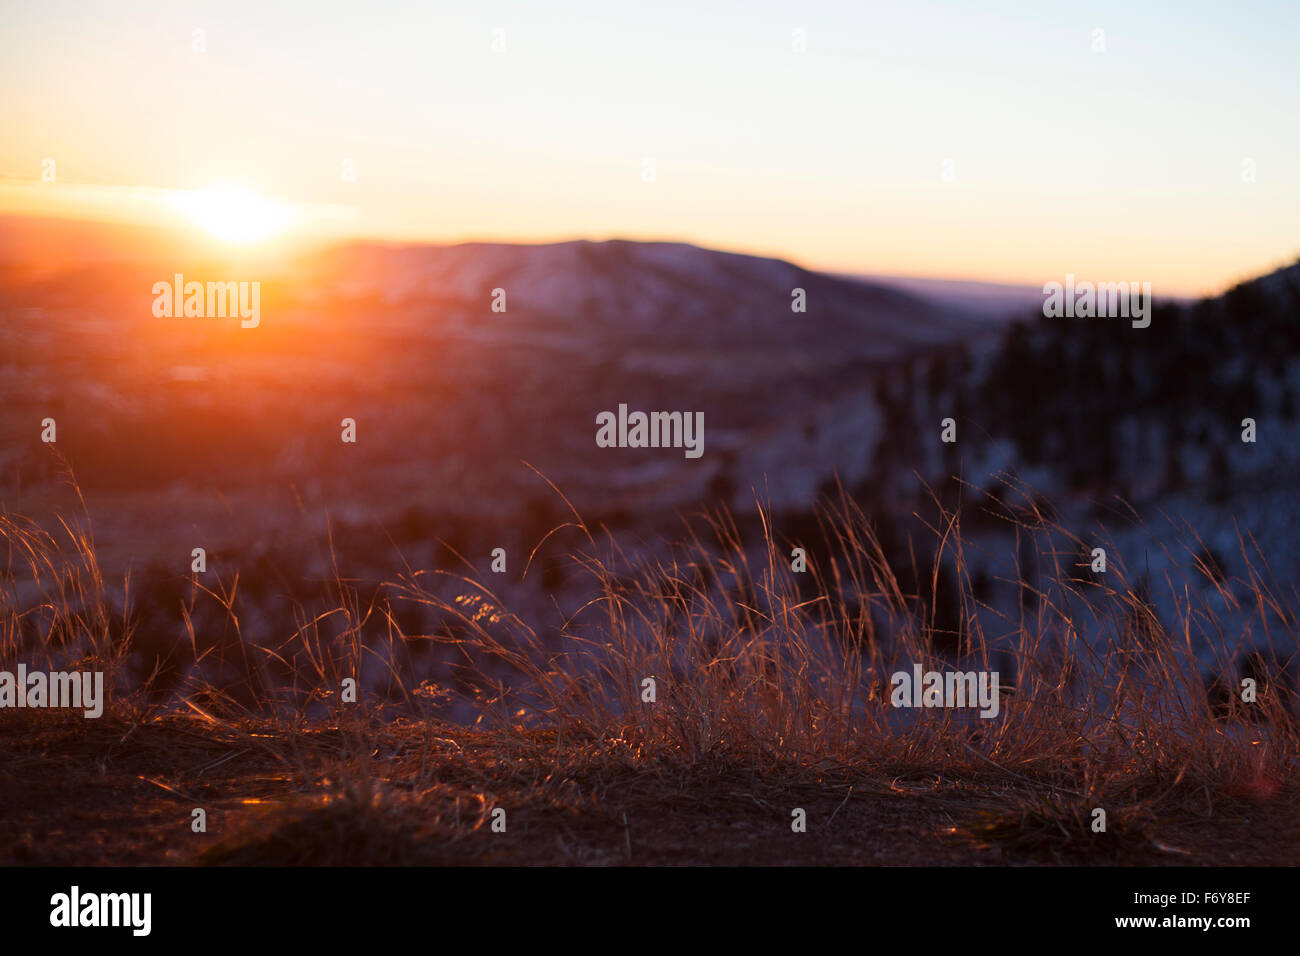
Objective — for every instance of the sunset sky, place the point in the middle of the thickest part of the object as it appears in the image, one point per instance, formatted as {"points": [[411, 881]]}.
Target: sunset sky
{"points": [[1123, 164]]}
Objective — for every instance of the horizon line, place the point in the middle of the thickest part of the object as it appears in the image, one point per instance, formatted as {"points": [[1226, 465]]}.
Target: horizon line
{"points": [[301, 245]]}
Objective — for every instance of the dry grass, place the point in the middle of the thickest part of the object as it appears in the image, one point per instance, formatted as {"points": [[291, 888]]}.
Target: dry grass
{"points": [[771, 694]]}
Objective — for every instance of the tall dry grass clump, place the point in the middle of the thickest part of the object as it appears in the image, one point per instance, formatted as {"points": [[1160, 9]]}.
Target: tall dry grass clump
{"points": [[755, 663], [752, 663]]}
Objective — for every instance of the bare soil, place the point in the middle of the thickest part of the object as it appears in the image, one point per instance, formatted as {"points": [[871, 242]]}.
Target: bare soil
{"points": [[110, 793]]}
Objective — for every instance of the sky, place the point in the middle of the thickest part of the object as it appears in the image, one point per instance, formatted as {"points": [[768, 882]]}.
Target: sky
{"points": [[1001, 141]]}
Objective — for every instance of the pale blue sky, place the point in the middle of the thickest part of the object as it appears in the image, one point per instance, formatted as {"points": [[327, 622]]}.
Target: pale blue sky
{"points": [[1126, 163]]}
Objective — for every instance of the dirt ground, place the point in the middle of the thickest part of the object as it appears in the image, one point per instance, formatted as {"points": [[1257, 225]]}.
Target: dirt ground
{"points": [[98, 793]]}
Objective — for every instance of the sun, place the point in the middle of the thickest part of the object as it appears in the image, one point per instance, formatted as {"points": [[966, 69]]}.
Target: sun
{"points": [[233, 213]]}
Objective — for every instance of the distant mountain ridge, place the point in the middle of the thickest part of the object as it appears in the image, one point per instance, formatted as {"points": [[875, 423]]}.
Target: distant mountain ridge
{"points": [[654, 294]]}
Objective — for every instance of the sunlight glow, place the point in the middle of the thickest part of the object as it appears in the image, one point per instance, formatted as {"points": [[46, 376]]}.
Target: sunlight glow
{"points": [[234, 214]]}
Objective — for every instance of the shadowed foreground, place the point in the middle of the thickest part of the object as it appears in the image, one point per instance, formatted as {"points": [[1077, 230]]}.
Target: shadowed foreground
{"points": [[107, 792], [770, 694]]}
